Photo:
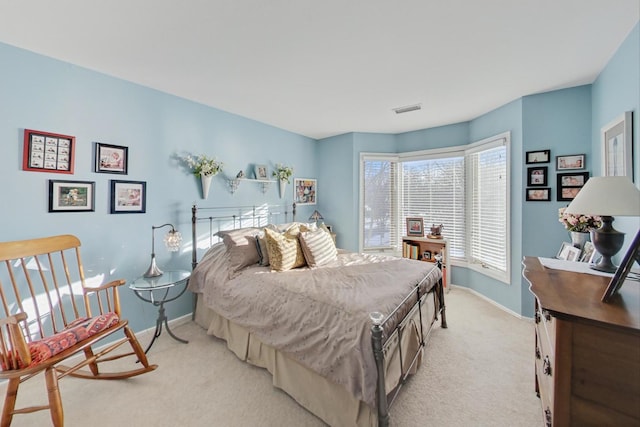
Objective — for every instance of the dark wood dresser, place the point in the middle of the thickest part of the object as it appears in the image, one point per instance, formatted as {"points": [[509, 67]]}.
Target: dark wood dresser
{"points": [[587, 355]]}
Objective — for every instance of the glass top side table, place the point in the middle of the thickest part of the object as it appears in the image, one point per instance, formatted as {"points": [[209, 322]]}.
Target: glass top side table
{"points": [[157, 291]]}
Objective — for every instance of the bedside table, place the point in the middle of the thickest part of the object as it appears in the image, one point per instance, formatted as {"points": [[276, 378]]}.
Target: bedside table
{"points": [[157, 291]]}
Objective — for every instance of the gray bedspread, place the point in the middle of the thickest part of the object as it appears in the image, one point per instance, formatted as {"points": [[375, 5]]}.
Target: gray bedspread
{"points": [[320, 316]]}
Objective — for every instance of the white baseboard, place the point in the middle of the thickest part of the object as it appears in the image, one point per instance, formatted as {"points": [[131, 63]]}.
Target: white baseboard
{"points": [[489, 300]]}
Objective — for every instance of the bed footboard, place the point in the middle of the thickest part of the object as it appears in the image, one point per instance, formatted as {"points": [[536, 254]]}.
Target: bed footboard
{"points": [[378, 344]]}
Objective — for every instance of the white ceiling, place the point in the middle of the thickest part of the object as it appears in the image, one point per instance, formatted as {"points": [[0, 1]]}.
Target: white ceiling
{"points": [[322, 68]]}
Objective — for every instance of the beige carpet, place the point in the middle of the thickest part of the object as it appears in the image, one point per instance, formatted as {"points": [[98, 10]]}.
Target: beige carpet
{"points": [[478, 372]]}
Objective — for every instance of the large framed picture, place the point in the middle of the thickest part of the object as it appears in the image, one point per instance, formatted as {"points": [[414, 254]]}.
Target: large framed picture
{"points": [[128, 197], [415, 227], [48, 152], [572, 161], [569, 185], [111, 158], [617, 147], [540, 156], [305, 191], [71, 196]]}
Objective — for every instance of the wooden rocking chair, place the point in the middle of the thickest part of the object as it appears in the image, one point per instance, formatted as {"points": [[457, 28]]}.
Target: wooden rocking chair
{"points": [[50, 315]]}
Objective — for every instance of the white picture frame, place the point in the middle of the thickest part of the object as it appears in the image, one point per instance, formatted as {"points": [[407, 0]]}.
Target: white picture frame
{"points": [[568, 252], [616, 141], [305, 191], [261, 172]]}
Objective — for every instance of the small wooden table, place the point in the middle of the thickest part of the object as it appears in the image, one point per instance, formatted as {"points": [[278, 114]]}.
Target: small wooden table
{"points": [[587, 354]]}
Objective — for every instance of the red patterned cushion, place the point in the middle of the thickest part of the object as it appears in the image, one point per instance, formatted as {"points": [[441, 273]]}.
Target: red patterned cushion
{"points": [[75, 332]]}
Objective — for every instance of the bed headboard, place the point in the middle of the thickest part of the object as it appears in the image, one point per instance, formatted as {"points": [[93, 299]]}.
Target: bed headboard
{"points": [[230, 218]]}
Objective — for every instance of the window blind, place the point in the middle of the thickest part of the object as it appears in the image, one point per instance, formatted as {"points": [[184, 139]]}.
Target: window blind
{"points": [[434, 189], [487, 217], [379, 215]]}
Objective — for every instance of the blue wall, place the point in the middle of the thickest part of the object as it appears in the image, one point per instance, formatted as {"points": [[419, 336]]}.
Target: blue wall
{"points": [[48, 95], [52, 96]]}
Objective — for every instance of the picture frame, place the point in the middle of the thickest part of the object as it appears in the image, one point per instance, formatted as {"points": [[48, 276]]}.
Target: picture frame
{"points": [[632, 255], [537, 176], [305, 191], [568, 252], [539, 156], [570, 161], [587, 252], [616, 136], [48, 152], [570, 184], [71, 196], [538, 194], [128, 197], [261, 172], [111, 158], [415, 227]]}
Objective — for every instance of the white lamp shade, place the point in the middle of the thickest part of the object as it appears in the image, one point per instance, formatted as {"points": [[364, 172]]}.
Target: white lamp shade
{"points": [[607, 196]]}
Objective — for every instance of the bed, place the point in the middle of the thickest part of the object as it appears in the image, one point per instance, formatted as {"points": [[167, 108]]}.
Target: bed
{"points": [[340, 336]]}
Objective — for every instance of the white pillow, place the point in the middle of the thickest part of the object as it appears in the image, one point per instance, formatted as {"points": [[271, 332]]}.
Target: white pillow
{"points": [[318, 247]]}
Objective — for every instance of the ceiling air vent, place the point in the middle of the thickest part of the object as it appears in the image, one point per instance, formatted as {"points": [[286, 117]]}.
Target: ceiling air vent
{"points": [[407, 108]]}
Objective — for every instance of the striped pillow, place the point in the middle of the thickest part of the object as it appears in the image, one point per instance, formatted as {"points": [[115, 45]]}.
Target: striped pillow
{"points": [[318, 247]]}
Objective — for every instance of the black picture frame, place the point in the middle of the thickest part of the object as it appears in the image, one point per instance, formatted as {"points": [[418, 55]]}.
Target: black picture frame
{"points": [[128, 197], [537, 176], [71, 196], [570, 184], [538, 194], [570, 162], [633, 254], [538, 156], [111, 159]]}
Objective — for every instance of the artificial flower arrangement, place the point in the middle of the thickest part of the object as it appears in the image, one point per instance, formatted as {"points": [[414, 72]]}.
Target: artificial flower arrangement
{"points": [[282, 172], [579, 223], [204, 165]]}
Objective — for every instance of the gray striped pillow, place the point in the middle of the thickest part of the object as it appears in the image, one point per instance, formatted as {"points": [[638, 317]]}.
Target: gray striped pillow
{"points": [[318, 247]]}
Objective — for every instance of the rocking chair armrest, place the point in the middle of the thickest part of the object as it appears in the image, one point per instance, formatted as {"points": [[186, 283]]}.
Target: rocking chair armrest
{"points": [[14, 319], [112, 284]]}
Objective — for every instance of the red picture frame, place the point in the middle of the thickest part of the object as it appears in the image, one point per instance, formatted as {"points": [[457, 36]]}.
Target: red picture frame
{"points": [[48, 152]]}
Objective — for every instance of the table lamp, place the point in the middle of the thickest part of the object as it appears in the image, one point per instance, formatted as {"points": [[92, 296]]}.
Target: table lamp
{"points": [[172, 241], [607, 196], [316, 216]]}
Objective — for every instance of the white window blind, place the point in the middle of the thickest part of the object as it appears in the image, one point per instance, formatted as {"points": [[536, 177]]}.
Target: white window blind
{"points": [[434, 189], [487, 183], [379, 205]]}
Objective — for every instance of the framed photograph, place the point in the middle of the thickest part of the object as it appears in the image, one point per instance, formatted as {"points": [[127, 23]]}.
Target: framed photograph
{"points": [[568, 252], [71, 196], [538, 194], [305, 191], [631, 256], [569, 185], [537, 176], [572, 161], [617, 147], [128, 197], [587, 252], [48, 152], [541, 156], [261, 172], [415, 227], [111, 158]]}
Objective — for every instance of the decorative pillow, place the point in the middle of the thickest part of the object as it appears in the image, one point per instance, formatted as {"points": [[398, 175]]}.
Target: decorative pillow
{"points": [[284, 249], [318, 247], [241, 246], [263, 253]]}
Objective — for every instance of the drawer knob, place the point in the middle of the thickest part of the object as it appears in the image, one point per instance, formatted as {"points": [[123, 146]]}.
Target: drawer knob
{"points": [[537, 317], [546, 366], [547, 315], [538, 355], [547, 417]]}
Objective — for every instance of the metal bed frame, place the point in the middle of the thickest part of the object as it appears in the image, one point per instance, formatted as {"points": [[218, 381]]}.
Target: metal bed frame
{"points": [[259, 216]]}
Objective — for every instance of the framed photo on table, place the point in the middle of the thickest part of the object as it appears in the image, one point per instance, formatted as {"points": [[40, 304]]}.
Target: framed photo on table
{"points": [[71, 196], [128, 197], [111, 158], [305, 191], [415, 227], [568, 252], [48, 152], [617, 159]]}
